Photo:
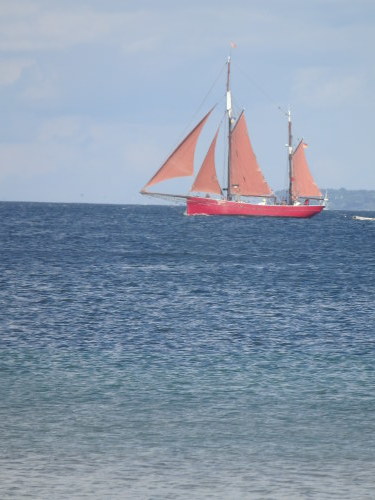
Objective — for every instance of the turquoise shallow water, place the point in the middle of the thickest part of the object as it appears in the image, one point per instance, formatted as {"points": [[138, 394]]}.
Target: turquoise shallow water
{"points": [[149, 355]]}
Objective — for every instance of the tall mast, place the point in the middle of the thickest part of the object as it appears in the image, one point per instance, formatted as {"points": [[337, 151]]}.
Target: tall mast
{"points": [[229, 113], [290, 159]]}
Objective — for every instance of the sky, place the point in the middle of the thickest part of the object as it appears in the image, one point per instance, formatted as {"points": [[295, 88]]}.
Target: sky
{"points": [[95, 94]]}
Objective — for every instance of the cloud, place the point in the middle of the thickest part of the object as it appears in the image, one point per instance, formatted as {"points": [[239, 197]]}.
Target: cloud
{"points": [[24, 160], [325, 87], [95, 90], [65, 129], [42, 86], [35, 27], [139, 27], [12, 69], [147, 44]]}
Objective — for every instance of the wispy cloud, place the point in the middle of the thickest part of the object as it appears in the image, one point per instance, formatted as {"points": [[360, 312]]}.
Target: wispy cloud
{"points": [[93, 90], [42, 86], [36, 26], [325, 87], [12, 69]]}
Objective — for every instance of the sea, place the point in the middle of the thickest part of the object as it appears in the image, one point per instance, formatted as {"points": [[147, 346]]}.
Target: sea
{"points": [[149, 355]]}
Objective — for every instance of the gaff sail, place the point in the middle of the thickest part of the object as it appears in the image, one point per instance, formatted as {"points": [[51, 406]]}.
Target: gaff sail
{"points": [[303, 184], [181, 162], [206, 180], [246, 178]]}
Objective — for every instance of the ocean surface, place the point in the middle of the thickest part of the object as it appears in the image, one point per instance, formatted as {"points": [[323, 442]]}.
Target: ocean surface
{"points": [[149, 355]]}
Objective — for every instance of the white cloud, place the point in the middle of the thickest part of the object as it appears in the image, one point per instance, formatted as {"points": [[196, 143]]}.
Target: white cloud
{"points": [[323, 87], [197, 27], [12, 69], [100, 85], [10, 8], [42, 86], [49, 27], [147, 44], [63, 129], [24, 160]]}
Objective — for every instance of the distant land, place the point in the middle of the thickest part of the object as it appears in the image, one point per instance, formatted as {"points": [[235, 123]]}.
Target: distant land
{"points": [[338, 199], [350, 199], [347, 199]]}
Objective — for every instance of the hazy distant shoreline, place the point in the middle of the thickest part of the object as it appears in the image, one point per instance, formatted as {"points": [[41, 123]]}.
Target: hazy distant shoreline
{"points": [[350, 199], [338, 199]]}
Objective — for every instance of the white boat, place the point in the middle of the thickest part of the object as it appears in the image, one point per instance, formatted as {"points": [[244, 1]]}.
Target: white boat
{"points": [[359, 217]]}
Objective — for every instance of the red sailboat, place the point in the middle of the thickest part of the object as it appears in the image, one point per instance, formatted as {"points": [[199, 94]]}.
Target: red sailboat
{"points": [[247, 193]]}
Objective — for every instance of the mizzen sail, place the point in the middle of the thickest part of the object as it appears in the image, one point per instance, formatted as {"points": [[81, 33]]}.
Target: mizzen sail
{"points": [[246, 177], [303, 184], [206, 180], [181, 162]]}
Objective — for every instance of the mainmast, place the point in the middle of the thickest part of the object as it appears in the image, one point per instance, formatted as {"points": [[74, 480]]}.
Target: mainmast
{"points": [[229, 113], [290, 159]]}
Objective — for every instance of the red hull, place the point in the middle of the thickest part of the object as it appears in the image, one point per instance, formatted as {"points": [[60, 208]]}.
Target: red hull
{"points": [[209, 206]]}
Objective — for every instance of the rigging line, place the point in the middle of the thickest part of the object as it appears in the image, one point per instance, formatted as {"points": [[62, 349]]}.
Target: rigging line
{"points": [[210, 89], [237, 108], [221, 120], [261, 89], [188, 126]]}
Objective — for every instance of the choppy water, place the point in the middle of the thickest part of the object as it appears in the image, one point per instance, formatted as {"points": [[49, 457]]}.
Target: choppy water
{"points": [[148, 355]]}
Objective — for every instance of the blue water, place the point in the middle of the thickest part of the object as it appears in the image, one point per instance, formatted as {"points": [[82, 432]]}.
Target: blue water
{"points": [[148, 355]]}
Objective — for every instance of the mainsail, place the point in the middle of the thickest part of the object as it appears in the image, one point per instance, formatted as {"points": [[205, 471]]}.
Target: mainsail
{"points": [[181, 162], [303, 184], [246, 177], [206, 180]]}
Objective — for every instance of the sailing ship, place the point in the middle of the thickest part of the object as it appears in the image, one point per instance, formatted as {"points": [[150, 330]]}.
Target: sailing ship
{"points": [[247, 192]]}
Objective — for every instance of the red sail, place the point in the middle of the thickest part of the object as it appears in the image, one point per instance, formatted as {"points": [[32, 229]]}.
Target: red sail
{"points": [[206, 180], [303, 183], [245, 175], [181, 162]]}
